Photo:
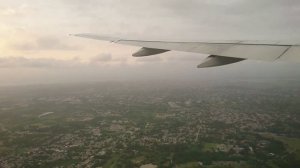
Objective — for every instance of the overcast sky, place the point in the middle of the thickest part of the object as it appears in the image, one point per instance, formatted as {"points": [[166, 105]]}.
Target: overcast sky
{"points": [[35, 46]]}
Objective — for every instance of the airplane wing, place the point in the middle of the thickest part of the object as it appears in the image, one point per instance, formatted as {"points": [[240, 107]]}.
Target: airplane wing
{"points": [[220, 52]]}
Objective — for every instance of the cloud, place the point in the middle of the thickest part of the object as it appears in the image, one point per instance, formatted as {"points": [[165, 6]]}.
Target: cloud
{"points": [[8, 12], [152, 58], [13, 62], [44, 43], [20, 10], [185, 57], [107, 59], [101, 58], [190, 20], [25, 62]]}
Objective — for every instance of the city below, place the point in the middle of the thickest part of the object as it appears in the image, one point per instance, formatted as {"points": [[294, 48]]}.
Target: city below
{"points": [[151, 125]]}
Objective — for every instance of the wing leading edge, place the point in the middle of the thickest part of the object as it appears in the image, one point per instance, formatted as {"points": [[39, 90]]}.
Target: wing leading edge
{"points": [[221, 52]]}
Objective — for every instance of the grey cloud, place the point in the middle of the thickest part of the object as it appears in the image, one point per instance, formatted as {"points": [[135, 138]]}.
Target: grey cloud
{"points": [[106, 58], [45, 43]]}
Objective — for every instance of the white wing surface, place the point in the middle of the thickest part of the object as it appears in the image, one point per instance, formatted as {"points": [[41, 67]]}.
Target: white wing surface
{"points": [[221, 52]]}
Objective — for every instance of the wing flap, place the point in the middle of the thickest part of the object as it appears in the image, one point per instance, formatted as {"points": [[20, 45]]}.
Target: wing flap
{"points": [[255, 52]]}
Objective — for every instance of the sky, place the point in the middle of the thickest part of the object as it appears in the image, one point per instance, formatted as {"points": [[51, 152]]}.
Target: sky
{"points": [[35, 46]]}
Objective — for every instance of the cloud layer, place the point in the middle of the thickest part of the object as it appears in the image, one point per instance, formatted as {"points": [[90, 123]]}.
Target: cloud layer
{"points": [[45, 43], [34, 37]]}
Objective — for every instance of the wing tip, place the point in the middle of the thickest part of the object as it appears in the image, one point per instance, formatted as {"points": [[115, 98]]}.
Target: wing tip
{"points": [[96, 37]]}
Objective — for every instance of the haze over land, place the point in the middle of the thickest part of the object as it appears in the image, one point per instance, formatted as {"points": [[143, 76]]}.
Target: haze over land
{"points": [[35, 46], [168, 124]]}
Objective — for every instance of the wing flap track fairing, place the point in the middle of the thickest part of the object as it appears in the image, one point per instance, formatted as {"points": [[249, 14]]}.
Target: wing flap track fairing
{"points": [[148, 51], [214, 60]]}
